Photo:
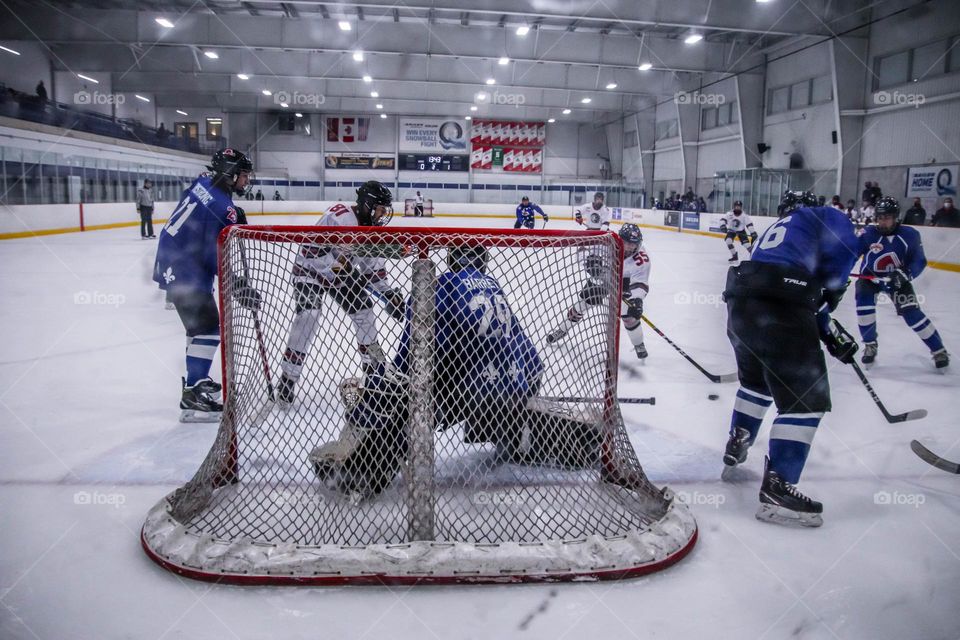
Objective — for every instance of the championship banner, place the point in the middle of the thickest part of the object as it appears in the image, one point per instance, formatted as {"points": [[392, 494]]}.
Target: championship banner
{"points": [[359, 161], [501, 145], [433, 135], [935, 181]]}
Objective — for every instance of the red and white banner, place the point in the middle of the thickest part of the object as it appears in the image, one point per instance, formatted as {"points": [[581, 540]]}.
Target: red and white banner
{"points": [[520, 143], [347, 129]]}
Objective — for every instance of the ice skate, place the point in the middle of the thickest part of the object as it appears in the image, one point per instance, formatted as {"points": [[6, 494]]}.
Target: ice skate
{"points": [[738, 444], [555, 335], [870, 354], [782, 503], [641, 351], [941, 359], [201, 403], [286, 392]]}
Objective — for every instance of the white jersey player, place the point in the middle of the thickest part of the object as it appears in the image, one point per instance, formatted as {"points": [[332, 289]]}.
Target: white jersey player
{"points": [[348, 280], [594, 216], [636, 277], [737, 225]]}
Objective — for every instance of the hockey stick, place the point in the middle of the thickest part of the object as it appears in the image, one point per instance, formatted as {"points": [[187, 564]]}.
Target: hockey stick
{"points": [[726, 377], [258, 329], [931, 458], [650, 400], [916, 414], [862, 276]]}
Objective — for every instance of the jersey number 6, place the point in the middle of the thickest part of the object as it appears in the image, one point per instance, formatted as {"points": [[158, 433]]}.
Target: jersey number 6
{"points": [[775, 235]]}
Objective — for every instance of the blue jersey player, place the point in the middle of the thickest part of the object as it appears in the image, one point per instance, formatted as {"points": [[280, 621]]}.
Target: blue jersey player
{"points": [[185, 268], [487, 373], [525, 214], [893, 257], [779, 306]]}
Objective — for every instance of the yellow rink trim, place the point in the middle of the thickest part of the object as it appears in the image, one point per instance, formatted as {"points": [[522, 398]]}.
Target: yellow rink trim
{"points": [[934, 264]]}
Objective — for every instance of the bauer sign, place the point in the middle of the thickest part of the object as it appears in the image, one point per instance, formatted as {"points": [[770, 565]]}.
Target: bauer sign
{"points": [[433, 135], [934, 181]]}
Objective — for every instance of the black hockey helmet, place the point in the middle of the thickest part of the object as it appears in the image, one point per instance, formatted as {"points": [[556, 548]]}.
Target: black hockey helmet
{"points": [[887, 206], [795, 200], [737, 204], [630, 233], [226, 165], [370, 195], [467, 256]]}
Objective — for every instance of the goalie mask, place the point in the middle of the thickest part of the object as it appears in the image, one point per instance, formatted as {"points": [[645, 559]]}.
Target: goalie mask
{"points": [[374, 204], [468, 257], [231, 170]]}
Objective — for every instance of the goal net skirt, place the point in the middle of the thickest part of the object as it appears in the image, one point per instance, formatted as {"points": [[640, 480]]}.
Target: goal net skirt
{"points": [[471, 451]]}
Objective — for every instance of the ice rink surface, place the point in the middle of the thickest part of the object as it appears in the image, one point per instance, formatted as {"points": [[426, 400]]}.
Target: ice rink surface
{"points": [[89, 442]]}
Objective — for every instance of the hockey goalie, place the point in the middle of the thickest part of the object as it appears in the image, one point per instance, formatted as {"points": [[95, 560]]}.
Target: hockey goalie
{"points": [[487, 374]]}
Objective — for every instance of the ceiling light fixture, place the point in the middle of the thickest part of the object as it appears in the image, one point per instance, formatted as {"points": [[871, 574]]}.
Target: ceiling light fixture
{"points": [[358, 56], [243, 76], [344, 25], [163, 22], [522, 31], [611, 85], [693, 38], [566, 112], [183, 113], [140, 97], [646, 66], [83, 77], [213, 55]]}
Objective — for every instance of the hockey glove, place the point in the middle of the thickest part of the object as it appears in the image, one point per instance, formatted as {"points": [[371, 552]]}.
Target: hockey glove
{"points": [[245, 295], [241, 215], [634, 308], [898, 280], [579, 218], [840, 344], [753, 238], [832, 297], [546, 218], [393, 300]]}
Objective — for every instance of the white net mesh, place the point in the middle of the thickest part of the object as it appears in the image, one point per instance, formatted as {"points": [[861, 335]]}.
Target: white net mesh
{"points": [[394, 412]]}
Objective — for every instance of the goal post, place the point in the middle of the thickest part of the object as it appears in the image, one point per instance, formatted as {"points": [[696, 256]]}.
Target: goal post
{"points": [[452, 462]]}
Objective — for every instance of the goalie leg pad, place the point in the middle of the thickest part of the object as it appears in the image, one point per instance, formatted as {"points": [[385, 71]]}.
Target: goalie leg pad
{"points": [[555, 434]]}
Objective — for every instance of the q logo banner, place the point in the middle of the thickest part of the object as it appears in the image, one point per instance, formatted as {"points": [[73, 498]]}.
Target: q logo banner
{"points": [[934, 181]]}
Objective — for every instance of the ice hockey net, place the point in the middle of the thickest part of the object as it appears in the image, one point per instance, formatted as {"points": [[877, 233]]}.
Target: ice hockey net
{"points": [[459, 508]]}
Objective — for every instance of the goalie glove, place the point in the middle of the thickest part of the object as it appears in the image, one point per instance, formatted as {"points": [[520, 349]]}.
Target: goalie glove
{"points": [[840, 344], [245, 295]]}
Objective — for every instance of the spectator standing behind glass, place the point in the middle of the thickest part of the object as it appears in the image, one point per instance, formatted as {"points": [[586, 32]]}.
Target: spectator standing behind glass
{"points": [[915, 215], [259, 195], [276, 195], [946, 216], [145, 208], [41, 91]]}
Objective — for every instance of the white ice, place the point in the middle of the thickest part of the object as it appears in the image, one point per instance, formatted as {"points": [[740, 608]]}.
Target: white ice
{"points": [[89, 441]]}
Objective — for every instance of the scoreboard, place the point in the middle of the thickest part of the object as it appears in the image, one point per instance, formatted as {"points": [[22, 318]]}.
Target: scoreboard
{"points": [[433, 162]]}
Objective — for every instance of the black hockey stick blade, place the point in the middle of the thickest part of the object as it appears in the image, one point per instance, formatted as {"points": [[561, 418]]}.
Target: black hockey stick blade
{"points": [[916, 414], [933, 459], [650, 400]]}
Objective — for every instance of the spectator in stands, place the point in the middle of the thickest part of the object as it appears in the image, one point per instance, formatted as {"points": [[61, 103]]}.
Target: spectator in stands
{"points": [[866, 213], [689, 196], [145, 208], [259, 195], [41, 92], [915, 215], [276, 195], [836, 203], [701, 205], [851, 210], [946, 216], [871, 193], [821, 201], [162, 133]]}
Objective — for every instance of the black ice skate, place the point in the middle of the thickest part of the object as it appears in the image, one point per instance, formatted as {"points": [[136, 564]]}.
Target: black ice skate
{"points": [[555, 335], [734, 259], [782, 503], [640, 349], [735, 454], [869, 353], [286, 392], [201, 402], [941, 359]]}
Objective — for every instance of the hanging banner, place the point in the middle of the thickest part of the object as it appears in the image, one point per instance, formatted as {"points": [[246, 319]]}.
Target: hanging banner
{"points": [[434, 134], [935, 181]]}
